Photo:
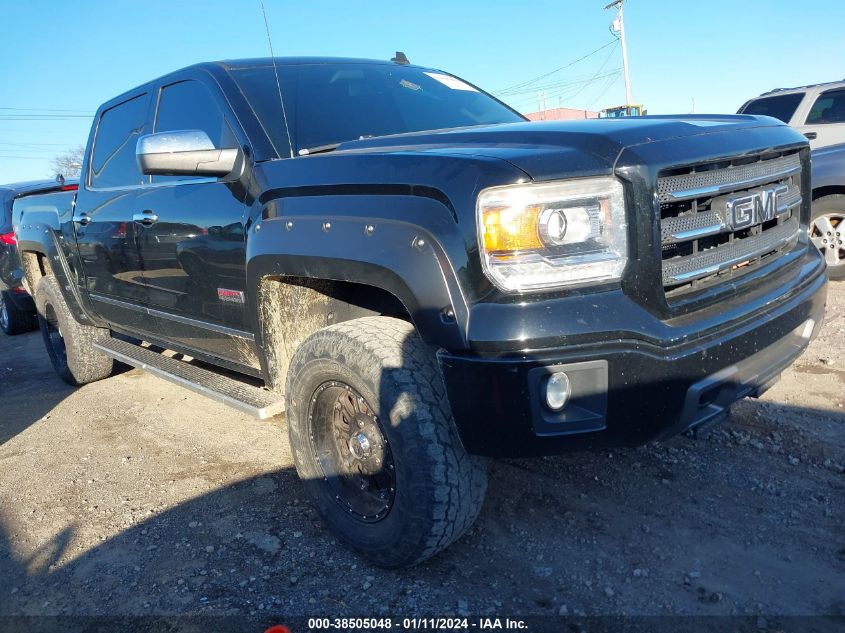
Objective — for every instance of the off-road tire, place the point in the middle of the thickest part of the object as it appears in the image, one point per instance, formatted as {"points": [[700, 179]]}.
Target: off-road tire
{"points": [[13, 320], [832, 206], [81, 363], [439, 488]]}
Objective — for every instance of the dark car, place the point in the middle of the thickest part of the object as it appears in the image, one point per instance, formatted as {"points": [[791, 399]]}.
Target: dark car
{"points": [[17, 309], [828, 228], [422, 279]]}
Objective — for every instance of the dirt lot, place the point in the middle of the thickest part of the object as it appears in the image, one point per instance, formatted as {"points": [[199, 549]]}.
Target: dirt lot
{"points": [[133, 496]]}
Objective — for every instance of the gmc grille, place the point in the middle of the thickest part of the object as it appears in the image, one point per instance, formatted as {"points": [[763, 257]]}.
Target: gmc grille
{"points": [[721, 220]]}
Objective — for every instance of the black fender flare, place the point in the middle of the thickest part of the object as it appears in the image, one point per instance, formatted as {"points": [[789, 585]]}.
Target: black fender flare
{"points": [[366, 243]]}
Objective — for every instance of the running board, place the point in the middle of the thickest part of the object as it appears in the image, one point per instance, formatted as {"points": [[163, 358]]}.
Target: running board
{"points": [[250, 399]]}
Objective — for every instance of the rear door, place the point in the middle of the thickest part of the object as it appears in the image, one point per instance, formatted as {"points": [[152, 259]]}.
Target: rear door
{"points": [[105, 234], [825, 122], [194, 253]]}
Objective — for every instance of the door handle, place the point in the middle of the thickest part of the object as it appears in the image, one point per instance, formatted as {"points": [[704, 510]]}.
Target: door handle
{"points": [[82, 219], [811, 135], [147, 218]]}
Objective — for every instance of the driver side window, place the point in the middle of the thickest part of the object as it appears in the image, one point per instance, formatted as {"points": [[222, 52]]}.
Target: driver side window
{"points": [[188, 105], [828, 108]]}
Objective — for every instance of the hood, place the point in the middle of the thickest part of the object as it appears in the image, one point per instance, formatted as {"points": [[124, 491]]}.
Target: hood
{"points": [[547, 150]]}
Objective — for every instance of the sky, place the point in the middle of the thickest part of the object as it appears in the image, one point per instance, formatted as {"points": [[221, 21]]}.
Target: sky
{"points": [[59, 61]]}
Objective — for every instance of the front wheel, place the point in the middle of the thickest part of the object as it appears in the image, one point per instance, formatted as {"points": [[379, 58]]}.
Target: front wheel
{"points": [[375, 444], [827, 232]]}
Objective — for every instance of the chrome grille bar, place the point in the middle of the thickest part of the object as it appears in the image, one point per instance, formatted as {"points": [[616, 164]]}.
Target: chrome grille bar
{"points": [[684, 269], [691, 226], [715, 181]]}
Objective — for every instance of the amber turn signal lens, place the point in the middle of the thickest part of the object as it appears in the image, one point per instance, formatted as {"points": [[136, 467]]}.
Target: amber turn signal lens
{"points": [[508, 229]]}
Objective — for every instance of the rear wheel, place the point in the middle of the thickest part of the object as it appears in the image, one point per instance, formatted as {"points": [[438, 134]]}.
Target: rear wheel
{"points": [[70, 345], [13, 320], [375, 444], [827, 232]]}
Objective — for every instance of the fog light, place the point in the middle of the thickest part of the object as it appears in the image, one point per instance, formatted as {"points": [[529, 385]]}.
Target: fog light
{"points": [[558, 390], [806, 329]]}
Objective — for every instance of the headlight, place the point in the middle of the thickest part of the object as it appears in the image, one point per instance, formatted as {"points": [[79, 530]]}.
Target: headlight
{"points": [[541, 236]]}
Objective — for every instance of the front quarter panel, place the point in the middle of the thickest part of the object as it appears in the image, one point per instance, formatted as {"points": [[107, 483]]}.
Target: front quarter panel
{"points": [[404, 223]]}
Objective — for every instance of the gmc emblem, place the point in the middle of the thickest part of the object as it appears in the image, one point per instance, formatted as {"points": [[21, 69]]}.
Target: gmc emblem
{"points": [[753, 208]]}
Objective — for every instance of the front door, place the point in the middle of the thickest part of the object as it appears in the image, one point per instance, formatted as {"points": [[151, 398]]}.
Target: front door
{"points": [[190, 236], [825, 122], [105, 233]]}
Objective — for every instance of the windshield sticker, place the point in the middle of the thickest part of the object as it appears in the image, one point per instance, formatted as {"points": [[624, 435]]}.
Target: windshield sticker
{"points": [[451, 82], [410, 85]]}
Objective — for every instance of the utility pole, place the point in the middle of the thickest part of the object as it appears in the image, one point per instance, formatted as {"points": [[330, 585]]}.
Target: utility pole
{"points": [[619, 27]]}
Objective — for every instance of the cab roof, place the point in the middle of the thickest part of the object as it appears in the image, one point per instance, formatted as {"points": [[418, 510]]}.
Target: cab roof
{"points": [[215, 68], [827, 84], [258, 62]]}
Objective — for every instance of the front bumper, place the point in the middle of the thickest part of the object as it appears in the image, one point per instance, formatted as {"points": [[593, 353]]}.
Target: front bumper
{"points": [[631, 390]]}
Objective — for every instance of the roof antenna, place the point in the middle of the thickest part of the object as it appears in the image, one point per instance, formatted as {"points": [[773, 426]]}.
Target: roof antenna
{"points": [[276, 72], [400, 59]]}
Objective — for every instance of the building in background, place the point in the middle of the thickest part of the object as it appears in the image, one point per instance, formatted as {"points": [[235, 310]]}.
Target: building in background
{"points": [[561, 114]]}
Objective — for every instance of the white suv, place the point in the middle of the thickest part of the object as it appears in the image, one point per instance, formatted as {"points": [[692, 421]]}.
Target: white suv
{"points": [[817, 111]]}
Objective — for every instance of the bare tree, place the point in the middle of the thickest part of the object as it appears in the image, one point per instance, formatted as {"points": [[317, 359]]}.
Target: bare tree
{"points": [[69, 163]]}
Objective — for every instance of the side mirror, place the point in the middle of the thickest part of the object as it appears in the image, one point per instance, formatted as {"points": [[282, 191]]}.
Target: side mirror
{"points": [[184, 153]]}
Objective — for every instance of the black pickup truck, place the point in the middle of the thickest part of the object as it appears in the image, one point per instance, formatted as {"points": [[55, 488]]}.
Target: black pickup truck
{"points": [[422, 279]]}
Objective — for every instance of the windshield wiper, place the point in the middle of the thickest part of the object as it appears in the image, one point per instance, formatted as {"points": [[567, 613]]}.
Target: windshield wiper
{"points": [[330, 147], [319, 149]]}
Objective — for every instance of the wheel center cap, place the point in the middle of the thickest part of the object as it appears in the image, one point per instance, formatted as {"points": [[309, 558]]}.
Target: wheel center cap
{"points": [[359, 445]]}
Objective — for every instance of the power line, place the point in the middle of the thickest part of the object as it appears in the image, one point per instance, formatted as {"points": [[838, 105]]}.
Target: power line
{"points": [[8, 131], [87, 112], [507, 89], [562, 84], [43, 117], [593, 78], [570, 89], [34, 144], [602, 93], [32, 152]]}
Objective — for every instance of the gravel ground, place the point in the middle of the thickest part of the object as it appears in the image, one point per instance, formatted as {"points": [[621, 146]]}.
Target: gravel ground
{"points": [[133, 496]]}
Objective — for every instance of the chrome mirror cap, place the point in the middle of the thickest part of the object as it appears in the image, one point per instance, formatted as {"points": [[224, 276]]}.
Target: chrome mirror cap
{"points": [[175, 141], [184, 153]]}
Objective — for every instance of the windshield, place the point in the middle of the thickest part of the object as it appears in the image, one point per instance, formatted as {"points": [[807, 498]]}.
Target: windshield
{"points": [[328, 103], [781, 107]]}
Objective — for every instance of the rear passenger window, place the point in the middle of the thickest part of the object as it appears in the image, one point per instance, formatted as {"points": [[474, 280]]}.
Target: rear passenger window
{"points": [[113, 162], [189, 105], [781, 107], [828, 108]]}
